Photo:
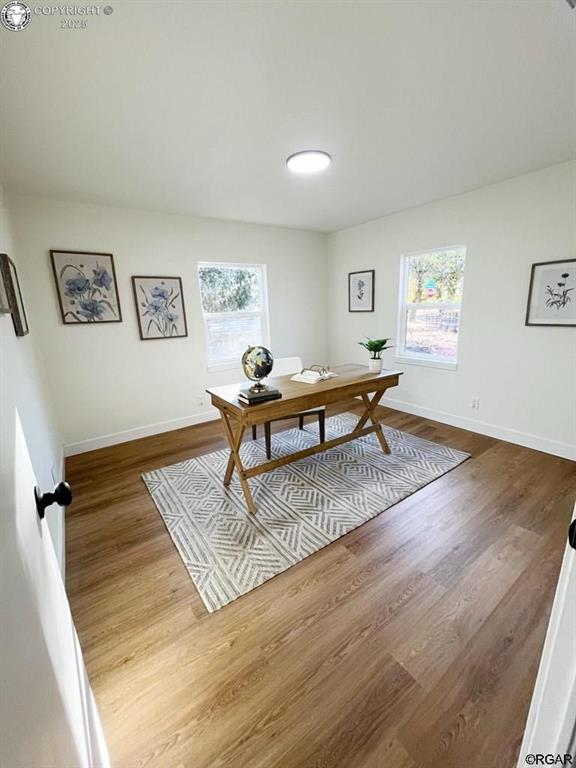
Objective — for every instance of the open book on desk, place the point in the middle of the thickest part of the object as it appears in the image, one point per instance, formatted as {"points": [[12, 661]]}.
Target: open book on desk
{"points": [[314, 374]]}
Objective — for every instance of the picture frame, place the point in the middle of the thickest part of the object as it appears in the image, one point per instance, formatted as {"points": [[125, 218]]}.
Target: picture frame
{"points": [[11, 295], [361, 291], [86, 287], [4, 301], [160, 307], [552, 294]]}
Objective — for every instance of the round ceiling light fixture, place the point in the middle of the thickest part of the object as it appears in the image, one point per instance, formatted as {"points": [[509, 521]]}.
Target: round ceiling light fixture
{"points": [[309, 161]]}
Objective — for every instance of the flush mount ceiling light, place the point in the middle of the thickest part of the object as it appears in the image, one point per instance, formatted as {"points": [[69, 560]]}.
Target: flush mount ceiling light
{"points": [[309, 161]]}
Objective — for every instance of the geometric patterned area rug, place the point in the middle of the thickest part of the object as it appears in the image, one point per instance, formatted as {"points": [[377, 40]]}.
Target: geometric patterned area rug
{"points": [[301, 507]]}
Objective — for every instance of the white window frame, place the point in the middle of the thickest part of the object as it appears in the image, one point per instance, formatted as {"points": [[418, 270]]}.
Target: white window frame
{"points": [[232, 364], [416, 358]]}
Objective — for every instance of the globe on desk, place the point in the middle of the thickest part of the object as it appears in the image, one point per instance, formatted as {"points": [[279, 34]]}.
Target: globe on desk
{"points": [[257, 363]]}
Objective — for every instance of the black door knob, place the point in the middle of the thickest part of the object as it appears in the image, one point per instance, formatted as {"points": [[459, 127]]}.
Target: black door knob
{"points": [[572, 534], [62, 495]]}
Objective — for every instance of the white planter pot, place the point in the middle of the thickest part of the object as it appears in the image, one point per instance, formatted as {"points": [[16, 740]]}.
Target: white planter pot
{"points": [[374, 366]]}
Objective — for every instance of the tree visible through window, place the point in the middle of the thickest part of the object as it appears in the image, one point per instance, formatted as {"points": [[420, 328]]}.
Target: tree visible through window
{"points": [[234, 308], [430, 297]]}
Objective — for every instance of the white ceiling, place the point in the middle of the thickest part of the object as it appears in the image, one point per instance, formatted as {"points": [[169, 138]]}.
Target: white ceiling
{"points": [[192, 107]]}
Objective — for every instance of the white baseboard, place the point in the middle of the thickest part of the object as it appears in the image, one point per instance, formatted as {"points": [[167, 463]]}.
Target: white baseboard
{"points": [[555, 447], [104, 441]]}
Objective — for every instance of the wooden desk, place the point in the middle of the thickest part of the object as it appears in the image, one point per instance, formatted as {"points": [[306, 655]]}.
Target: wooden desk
{"points": [[352, 381]]}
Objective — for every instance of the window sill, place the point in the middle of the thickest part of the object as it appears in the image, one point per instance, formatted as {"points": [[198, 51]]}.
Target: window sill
{"points": [[426, 363]]}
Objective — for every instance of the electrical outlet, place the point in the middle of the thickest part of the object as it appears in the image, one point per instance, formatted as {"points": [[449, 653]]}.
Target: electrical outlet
{"points": [[199, 400], [475, 403]]}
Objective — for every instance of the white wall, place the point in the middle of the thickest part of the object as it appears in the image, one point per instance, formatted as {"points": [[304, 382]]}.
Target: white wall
{"points": [[108, 384], [25, 389], [525, 376]]}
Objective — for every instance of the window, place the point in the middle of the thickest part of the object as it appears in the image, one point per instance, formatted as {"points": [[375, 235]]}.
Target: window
{"points": [[429, 309], [234, 306]]}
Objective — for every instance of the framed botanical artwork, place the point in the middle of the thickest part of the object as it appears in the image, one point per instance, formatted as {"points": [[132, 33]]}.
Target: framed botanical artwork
{"points": [[86, 287], [160, 307], [4, 303], [361, 291], [11, 295], [552, 293]]}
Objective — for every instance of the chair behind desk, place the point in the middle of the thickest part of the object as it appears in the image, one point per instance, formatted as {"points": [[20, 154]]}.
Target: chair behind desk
{"points": [[284, 366]]}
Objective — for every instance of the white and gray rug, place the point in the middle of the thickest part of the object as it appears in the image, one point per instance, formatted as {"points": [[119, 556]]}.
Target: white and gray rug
{"points": [[302, 507]]}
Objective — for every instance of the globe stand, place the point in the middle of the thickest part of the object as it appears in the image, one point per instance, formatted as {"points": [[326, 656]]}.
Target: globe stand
{"points": [[257, 363], [258, 388]]}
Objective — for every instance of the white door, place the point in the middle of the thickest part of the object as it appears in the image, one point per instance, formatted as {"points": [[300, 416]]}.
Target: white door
{"points": [[47, 713], [551, 725]]}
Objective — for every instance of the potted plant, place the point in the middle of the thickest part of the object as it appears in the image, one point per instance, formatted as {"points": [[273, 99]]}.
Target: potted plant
{"points": [[375, 347]]}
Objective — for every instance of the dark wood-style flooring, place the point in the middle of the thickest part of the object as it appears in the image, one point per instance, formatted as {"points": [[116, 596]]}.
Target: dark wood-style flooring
{"points": [[412, 642]]}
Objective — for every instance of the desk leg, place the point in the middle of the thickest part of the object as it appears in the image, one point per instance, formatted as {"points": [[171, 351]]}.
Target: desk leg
{"points": [[234, 461], [376, 397], [370, 414]]}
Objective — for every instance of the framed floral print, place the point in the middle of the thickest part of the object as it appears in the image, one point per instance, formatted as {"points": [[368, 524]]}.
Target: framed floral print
{"points": [[160, 307], [361, 291], [552, 293], [4, 302], [11, 295], [86, 287]]}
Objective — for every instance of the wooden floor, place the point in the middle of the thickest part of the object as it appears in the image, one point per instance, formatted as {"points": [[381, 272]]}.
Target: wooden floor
{"points": [[411, 642]]}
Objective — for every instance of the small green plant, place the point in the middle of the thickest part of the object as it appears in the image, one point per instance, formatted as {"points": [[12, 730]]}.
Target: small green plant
{"points": [[375, 347]]}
